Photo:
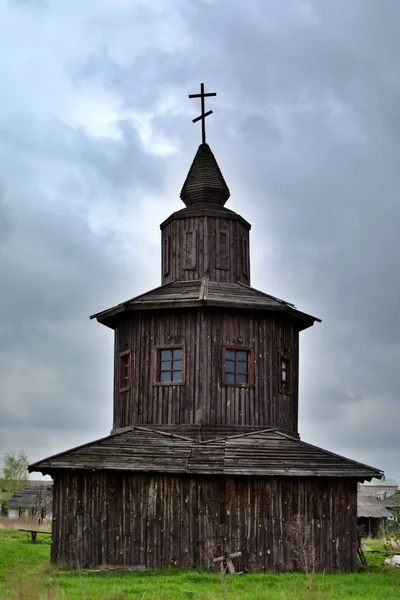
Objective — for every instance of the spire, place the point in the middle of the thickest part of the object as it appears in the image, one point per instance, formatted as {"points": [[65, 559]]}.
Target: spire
{"points": [[204, 182]]}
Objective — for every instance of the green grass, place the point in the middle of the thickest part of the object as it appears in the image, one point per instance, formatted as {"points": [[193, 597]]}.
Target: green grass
{"points": [[25, 574]]}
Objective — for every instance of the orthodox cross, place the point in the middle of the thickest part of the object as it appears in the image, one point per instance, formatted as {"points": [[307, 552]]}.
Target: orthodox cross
{"points": [[204, 114]]}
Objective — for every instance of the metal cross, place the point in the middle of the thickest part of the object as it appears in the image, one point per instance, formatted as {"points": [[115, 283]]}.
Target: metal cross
{"points": [[204, 114]]}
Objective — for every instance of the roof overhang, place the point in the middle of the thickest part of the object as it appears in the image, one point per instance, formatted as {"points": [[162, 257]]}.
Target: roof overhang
{"points": [[113, 316], [266, 453], [206, 209]]}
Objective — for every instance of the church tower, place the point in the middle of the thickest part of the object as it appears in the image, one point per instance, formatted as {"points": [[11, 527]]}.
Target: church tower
{"points": [[205, 350]]}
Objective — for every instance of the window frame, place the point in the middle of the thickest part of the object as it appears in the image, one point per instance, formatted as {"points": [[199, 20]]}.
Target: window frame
{"points": [[127, 379], [245, 255], [222, 262], [157, 361], [285, 387], [166, 251], [250, 365], [193, 254]]}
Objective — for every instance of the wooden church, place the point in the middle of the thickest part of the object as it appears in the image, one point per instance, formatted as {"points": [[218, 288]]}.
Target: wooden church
{"points": [[204, 457]]}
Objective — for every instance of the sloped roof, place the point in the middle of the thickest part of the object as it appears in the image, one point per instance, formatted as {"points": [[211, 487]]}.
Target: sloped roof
{"points": [[203, 292], [263, 453], [368, 506], [204, 182], [392, 501], [29, 495], [387, 482]]}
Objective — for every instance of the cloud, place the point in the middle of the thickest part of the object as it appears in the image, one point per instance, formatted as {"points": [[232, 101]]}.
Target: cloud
{"points": [[34, 6]]}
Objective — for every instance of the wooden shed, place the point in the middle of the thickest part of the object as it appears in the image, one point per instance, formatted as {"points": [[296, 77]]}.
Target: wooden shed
{"points": [[371, 514], [33, 501], [204, 457]]}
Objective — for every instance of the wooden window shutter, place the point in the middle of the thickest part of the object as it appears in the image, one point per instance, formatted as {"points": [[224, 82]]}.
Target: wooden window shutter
{"points": [[222, 249], [166, 254], [124, 371], [245, 255], [189, 249]]}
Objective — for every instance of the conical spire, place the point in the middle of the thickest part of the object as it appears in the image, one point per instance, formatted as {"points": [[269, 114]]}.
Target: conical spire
{"points": [[204, 182]]}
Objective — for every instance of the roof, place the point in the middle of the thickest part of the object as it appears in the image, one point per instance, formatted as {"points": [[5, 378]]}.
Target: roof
{"points": [[392, 501], [269, 453], [204, 292], [204, 182], [369, 507], [29, 495], [205, 209], [387, 482]]}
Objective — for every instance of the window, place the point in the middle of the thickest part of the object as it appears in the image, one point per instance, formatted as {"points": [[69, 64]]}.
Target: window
{"points": [[222, 250], [124, 371], [237, 366], [189, 249], [170, 363], [245, 255], [284, 374], [166, 253]]}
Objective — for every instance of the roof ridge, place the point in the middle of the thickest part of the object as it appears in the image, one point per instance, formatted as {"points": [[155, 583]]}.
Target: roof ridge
{"points": [[239, 435], [165, 433], [249, 287], [164, 285]]}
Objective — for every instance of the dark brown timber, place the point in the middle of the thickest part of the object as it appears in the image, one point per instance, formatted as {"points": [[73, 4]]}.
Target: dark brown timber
{"points": [[204, 459]]}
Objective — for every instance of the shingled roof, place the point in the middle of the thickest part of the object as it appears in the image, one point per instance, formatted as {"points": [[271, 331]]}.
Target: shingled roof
{"points": [[204, 182], [263, 453], [369, 507], [28, 496], [203, 292], [392, 501]]}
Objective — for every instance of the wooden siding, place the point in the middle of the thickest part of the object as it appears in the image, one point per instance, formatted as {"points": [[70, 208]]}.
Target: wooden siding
{"points": [[219, 257], [154, 520], [203, 398]]}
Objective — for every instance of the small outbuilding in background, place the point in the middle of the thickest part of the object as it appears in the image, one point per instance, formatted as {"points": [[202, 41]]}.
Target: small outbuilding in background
{"points": [[371, 514], [34, 501]]}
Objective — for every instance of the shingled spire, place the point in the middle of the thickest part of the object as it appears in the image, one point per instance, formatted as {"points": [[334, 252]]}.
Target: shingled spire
{"points": [[204, 182]]}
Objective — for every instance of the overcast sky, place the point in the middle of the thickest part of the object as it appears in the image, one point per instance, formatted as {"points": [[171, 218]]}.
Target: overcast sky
{"points": [[95, 142]]}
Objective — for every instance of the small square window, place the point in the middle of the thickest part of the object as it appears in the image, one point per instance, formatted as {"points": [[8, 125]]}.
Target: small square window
{"points": [[237, 366], [124, 371], [170, 365]]}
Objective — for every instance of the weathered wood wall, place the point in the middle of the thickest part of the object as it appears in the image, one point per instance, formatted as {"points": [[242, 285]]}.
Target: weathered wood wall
{"points": [[203, 398], [210, 246], [155, 520]]}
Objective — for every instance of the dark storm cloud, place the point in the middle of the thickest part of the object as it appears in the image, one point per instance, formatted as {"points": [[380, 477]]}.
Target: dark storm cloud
{"points": [[306, 129], [117, 163], [56, 271]]}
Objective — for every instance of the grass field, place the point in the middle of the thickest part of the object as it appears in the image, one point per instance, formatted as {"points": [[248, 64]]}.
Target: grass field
{"points": [[25, 574]]}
